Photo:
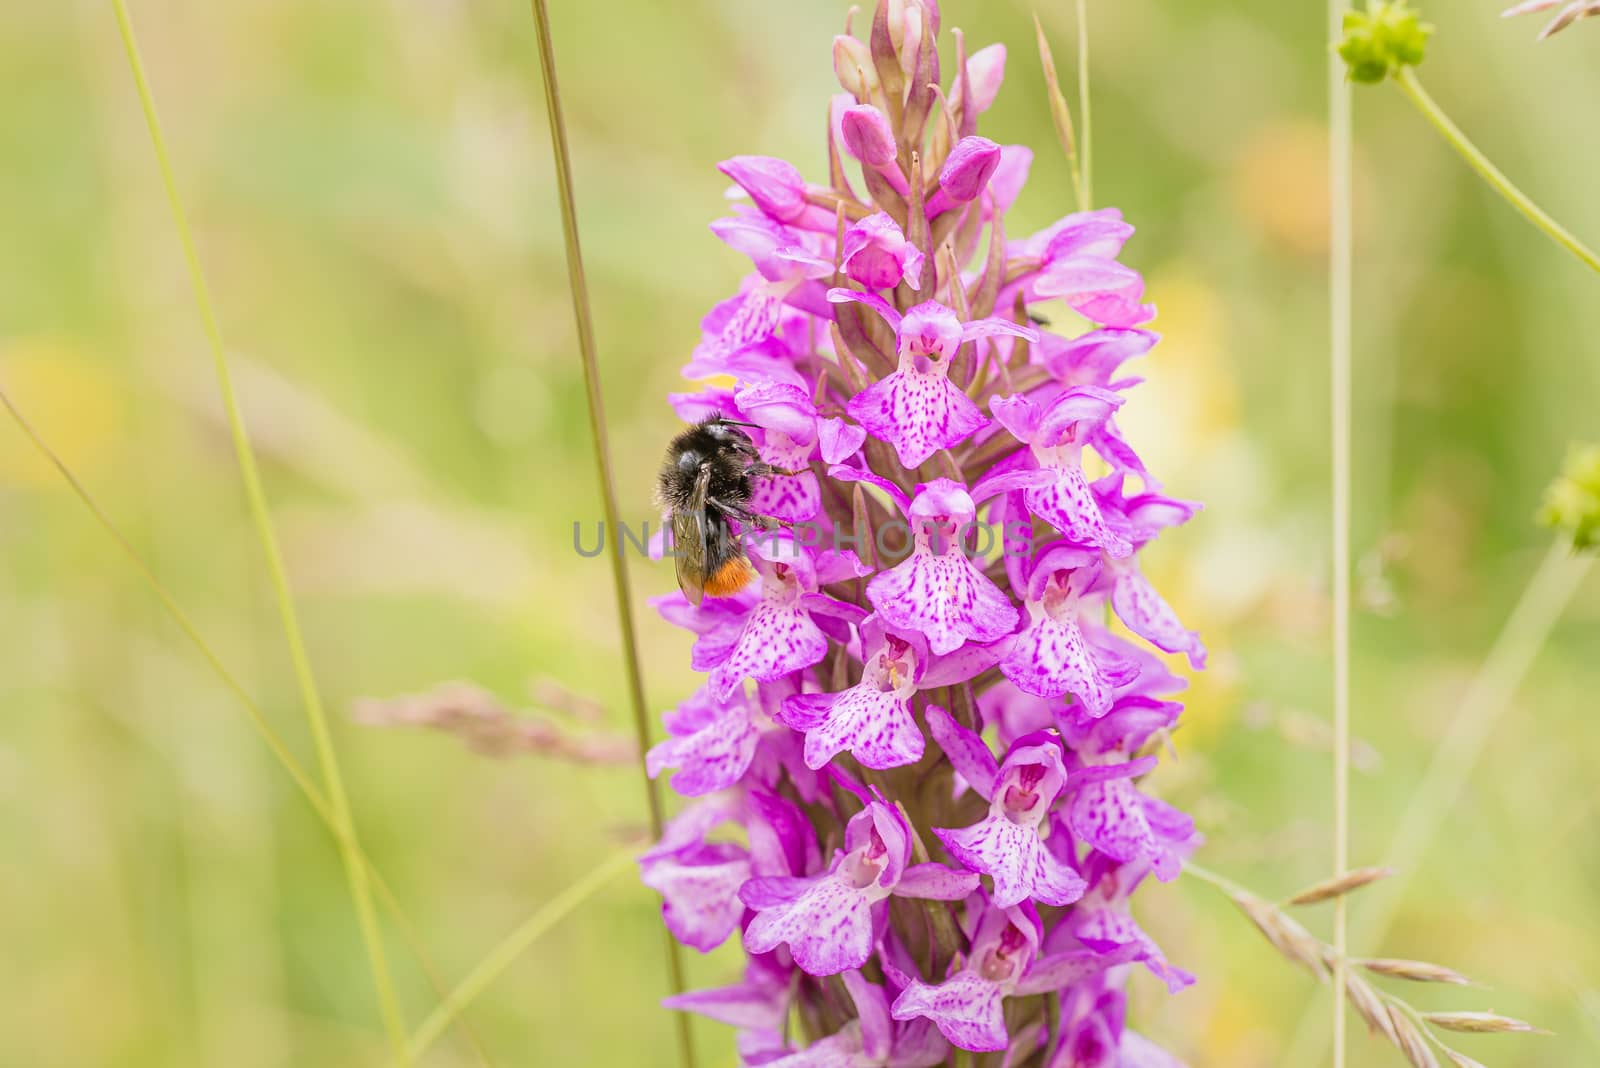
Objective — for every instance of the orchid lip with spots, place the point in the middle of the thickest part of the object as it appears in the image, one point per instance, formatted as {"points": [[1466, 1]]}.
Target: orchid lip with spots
{"points": [[917, 773]]}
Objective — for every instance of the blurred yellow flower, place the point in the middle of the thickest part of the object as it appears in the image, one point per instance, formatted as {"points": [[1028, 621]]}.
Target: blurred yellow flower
{"points": [[73, 403]]}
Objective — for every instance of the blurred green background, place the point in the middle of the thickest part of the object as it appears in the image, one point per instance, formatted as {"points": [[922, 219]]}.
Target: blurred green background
{"points": [[373, 196]]}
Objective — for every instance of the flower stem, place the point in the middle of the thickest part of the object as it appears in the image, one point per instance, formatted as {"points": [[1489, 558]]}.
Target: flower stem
{"points": [[1340, 300], [1537, 611], [316, 716], [1086, 193], [1412, 87], [512, 946], [274, 741], [602, 454], [1206, 875]]}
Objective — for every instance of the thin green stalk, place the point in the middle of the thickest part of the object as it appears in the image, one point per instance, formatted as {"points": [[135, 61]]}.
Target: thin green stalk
{"points": [[1340, 301], [1083, 106], [1221, 882], [258, 720], [602, 454], [1061, 114], [512, 946], [1439, 790], [1412, 87], [355, 870]]}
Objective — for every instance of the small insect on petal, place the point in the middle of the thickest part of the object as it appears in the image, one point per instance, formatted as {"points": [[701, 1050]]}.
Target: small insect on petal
{"points": [[1478, 1023], [1417, 971], [1339, 885]]}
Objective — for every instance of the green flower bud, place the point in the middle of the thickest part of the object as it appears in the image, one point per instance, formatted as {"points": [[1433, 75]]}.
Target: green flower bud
{"points": [[1379, 41], [1572, 503]]}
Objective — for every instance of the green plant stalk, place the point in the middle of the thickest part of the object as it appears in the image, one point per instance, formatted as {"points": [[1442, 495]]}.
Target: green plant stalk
{"points": [[1341, 271], [584, 322], [258, 720], [1537, 611], [1086, 194], [513, 945], [1060, 114], [338, 803], [1221, 882], [1412, 87]]}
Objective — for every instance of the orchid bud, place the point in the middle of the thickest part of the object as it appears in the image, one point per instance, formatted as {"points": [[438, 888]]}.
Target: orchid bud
{"points": [[774, 184], [987, 69], [967, 169], [877, 254], [852, 65], [868, 136], [908, 39]]}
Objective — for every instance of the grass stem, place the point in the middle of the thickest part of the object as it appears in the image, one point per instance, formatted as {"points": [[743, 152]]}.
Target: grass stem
{"points": [[1087, 192], [258, 720], [316, 716], [1412, 87], [1442, 783], [1340, 302], [597, 432], [512, 946]]}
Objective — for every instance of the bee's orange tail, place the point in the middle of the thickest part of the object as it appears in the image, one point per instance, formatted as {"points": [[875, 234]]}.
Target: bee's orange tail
{"points": [[730, 578]]}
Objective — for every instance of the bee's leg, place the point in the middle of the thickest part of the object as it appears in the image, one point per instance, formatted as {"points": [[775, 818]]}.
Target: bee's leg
{"points": [[745, 515], [766, 470]]}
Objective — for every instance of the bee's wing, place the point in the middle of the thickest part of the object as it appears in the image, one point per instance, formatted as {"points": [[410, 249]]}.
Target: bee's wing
{"points": [[689, 540]]}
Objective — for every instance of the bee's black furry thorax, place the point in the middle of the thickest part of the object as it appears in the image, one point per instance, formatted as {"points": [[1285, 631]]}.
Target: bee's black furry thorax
{"points": [[712, 444]]}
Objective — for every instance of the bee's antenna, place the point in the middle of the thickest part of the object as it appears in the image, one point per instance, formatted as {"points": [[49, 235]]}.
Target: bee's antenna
{"points": [[725, 421]]}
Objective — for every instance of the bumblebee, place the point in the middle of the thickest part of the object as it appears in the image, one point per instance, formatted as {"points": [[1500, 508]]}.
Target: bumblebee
{"points": [[705, 482]]}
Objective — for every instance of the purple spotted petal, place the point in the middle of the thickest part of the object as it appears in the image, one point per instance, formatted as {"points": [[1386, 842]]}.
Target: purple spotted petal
{"points": [[875, 726], [1017, 860], [1092, 358], [757, 1002], [791, 498], [966, 1008], [1110, 816], [700, 891], [918, 412], [1083, 276], [714, 647], [712, 742], [1106, 930], [839, 440], [782, 840], [1051, 659], [944, 598], [918, 1044], [1068, 504], [1087, 1043], [967, 752], [1147, 614], [872, 1010], [937, 882], [828, 926], [839, 1050], [1056, 970], [776, 639]]}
